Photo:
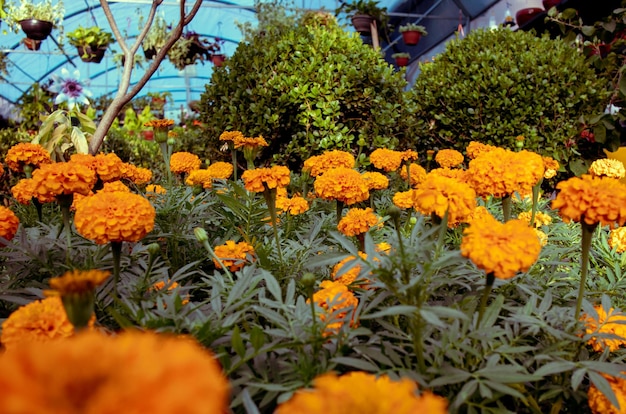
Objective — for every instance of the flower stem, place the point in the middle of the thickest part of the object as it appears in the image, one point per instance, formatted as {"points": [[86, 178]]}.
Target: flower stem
{"points": [[506, 207], [533, 213], [116, 249], [587, 235], [483, 300], [418, 344], [233, 153], [339, 210], [270, 200]]}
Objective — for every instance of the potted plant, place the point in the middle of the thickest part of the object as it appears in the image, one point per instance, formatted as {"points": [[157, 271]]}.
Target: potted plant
{"points": [[411, 33], [191, 48], [363, 13], [159, 99], [36, 19], [91, 42], [402, 59], [156, 37]]}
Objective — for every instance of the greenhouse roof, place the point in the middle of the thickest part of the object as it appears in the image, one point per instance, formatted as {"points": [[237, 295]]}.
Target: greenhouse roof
{"points": [[214, 19]]}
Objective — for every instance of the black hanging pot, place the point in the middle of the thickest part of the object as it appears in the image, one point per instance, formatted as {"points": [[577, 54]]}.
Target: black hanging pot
{"points": [[36, 29], [87, 54], [150, 53]]}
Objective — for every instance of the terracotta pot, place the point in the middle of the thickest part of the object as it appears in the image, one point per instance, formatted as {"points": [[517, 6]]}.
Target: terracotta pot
{"points": [[411, 38], [218, 60], [87, 54], [362, 22], [36, 29], [148, 135], [31, 44], [523, 16], [402, 61]]}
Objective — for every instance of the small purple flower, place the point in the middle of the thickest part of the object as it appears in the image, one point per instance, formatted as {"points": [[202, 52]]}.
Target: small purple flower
{"points": [[70, 89]]}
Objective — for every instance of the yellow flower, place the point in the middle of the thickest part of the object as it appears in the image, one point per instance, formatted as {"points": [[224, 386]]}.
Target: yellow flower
{"points": [[612, 324], [342, 184], [250, 142], [360, 392], [159, 123], [221, 170], [438, 194], [319, 164], [501, 172], [40, 321], [155, 189], [113, 186], [172, 286], [541, 219], [551, 166], [449, 158], [133, 372], [358, 221], [456, 173], [232, 136], [607, 167], [336, 301], [259, 179], [543, 237], [78, 281], [109, 167], [480, 213], [386, 159], [418, 174], [405, 199], [617, 239], [114, 217], [592, 200], [200, 177], [8, 223], [233, 255], [184, 162], [294, 205], [600, 404], [501, 249], [51, 180], [409, 155], [375, 180], [474, 149], [349, 276], [26, 153], [137, 175]]}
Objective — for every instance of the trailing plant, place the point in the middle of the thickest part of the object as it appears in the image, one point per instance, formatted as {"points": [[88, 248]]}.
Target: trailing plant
{"points": [[44, 10], [412, 27], [93, 37], [544, 84], [306, 89], [400, 55], [157, 35], [368, 7]]}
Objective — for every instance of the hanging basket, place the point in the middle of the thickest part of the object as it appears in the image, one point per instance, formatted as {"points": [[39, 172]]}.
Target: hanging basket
{"points": [[362, 23], [87, 54], [150, 53], [411, 37], [36, 29], [31, 44], [218, 60]]}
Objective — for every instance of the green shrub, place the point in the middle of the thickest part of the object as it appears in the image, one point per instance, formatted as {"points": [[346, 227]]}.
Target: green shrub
{"points": [[306, 88], [492, 86]]}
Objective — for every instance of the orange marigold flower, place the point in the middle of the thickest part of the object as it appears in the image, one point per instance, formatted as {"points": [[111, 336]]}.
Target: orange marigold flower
{"points": [[114, 217], [342, 184], [8, 223], [221, 170], [592, 199], [480, 213], [251, 142], [294, 205], [24, 191], [449, 158], [386, 159], [607, 167], [78, 281], [617, 239], [613, 323], [184, 162], [501, 172], [172, 286], [51, 180], [600, 404], [543, 237], [551, 166], [39, 321], [233, 255], [360, 392], [474, 149], [137, 175], [155, 189], [113, 186], [159, 123], [1, 170], [418, 174], [259, 179], [409, 155], [347, 277], [26, 153], [319, 164], [358, 221], [383, 247], [438, 194], [98, 374], [200, 177], [456, 173], [541, 219], [405, 199], [233, 136], [336, 301], [109, 167], [375, 180], [501, 249]]}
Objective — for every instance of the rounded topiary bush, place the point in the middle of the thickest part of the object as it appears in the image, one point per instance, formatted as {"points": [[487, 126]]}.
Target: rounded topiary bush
{"points": [[306, 86], [493, 86]]}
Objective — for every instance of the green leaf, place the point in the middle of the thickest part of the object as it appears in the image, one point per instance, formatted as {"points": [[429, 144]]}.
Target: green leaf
{"points": [[450, 376], [555, 367], [356, 363], [391, 311], [237, 342], [605, 388]]}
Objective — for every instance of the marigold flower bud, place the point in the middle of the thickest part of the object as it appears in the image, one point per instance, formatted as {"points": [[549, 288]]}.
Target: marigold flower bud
{"points": [[200, 234]]}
